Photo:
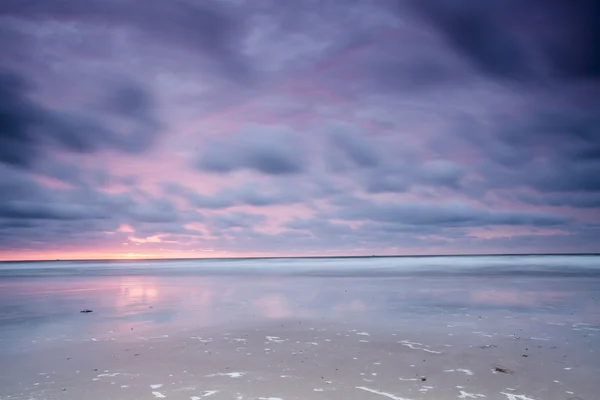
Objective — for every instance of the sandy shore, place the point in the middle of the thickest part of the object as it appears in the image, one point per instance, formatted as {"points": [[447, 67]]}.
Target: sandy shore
{"points": [[452, 353]]}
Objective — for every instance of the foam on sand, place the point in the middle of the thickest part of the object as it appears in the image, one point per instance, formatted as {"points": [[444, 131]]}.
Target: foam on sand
{"points": [[466, 395], [379, 392], [418, 346], [516, 396], [229, 374], [466, 371], [207, 393]]}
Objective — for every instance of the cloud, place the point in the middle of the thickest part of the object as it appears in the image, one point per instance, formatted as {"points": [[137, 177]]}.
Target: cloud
{"points": [[521, 39], [154, 211], [32, 212], [345, 145], [422, 67], [235, 220], [401, 175], [204, 27], [25, 199], [265, 149], [441, 215], [574, 200], [255, 194], [58, 211], [72, 174], [165, 230], [473, 28], [381, 165], [320, 227], [440, 172], [548, 151], [29, 130], [353, 144]]}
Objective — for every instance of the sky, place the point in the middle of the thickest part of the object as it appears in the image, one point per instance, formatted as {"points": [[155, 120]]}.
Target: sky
{"points": [[236, 128]]}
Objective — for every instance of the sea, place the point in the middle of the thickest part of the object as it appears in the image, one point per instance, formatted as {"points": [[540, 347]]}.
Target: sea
{"points": [[475, 265]]}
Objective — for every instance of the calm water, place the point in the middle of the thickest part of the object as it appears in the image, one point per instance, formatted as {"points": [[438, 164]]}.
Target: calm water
{"points": [[534, 265], [39, 300], [549, 300]]}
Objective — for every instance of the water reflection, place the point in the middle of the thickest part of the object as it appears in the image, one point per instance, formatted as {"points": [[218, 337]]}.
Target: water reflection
{"points": [[273, 306], [130, 307]]}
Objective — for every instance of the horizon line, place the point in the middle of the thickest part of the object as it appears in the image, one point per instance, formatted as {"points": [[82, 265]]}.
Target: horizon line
{"points": [[300, 257]]}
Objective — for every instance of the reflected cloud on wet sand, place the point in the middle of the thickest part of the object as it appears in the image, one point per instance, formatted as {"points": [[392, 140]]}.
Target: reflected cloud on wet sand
{"points": [[393, 336], [145, 303]]}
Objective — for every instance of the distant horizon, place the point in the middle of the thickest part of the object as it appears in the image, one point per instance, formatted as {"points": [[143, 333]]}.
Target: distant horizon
{"points": [[301, 257]]}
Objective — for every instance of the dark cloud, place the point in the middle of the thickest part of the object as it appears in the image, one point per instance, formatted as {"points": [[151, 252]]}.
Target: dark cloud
{"points": [[29, 130], [354, 145], [384, 167], [573, 241], [154, 211], [422, 69], [172, 229], [25, 199], [75, 175], [369, 234], [320, 227], [266, 149], [235, 220], [574, 200], [32, 212], [402, 175], [319, 236], [411, 228], [564, 150], [442, 215], [13, 44], [477, 30], [549, 151], [218, 201], [58, 211], [205, 27], [250, 194], [571, 39], [521, 39], [73, 235]]}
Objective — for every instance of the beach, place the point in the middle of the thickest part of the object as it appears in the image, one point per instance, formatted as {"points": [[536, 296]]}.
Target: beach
{"points": [[299, 200], [525, 334]]}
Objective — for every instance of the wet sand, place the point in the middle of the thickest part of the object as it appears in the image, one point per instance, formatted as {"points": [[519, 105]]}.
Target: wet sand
{"points": [[300, 338]]}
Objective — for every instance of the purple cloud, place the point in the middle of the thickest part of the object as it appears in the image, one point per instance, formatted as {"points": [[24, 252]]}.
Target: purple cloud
{"points": [[28, 129], [187, 128], [491, 34], [266, 149]]}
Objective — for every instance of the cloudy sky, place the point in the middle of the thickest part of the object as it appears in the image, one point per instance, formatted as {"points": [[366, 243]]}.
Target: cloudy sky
{"points": [[197, 128]]}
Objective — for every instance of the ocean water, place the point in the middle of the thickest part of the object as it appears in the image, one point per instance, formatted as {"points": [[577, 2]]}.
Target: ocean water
{"points": [[302, 328], [533, 265]]}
